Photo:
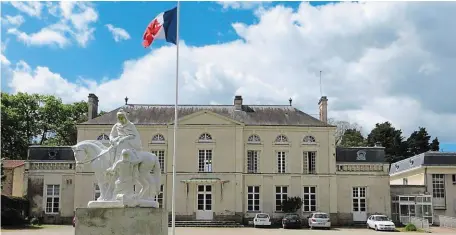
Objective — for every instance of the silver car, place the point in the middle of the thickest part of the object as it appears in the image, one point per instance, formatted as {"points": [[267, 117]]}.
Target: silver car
{"points": [[319, 220]]}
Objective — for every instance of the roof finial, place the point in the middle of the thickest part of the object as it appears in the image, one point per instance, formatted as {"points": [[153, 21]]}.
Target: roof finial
{"points": [[126, 100]]}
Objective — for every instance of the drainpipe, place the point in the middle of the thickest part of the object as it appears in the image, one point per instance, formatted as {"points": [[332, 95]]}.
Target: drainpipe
{"points": [[425, 180]]}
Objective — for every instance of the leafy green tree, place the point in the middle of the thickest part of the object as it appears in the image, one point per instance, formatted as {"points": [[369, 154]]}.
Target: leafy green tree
{"points": [[353, 138], [435, 145], [341, 128], [418, 142], [391, 138], [291, 204]]}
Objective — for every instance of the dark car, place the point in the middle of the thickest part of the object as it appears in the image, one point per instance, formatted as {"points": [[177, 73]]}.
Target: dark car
{"points": [[291, 221]]}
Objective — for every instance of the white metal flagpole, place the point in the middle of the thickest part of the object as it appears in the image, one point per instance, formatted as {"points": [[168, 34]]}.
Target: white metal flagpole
{"points": [[173, 203]]}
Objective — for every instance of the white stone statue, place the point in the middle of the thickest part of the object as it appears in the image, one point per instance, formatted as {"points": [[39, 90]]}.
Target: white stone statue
{"points": [[117, 175]]}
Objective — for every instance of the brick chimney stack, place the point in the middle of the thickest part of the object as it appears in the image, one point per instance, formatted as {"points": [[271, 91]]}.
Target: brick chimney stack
{"points": [[93, 106], [323, 109], [238, 103]]}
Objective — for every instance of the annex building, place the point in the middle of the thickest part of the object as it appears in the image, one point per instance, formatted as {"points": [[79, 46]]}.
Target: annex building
{"points": [[233, 161]]}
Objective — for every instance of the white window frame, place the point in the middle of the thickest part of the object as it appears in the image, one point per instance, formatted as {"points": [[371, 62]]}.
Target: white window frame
{"points": [[96, 191], [308, 139], [205, 160], [306, 158], [160, 153], [159, 197], [279, 190], [158, 139], [253, 161], [55, 194], [281, 162], [205, 138], [281, 139], [254, 139], [438, 185], [253, 192], [308, 207], [357, 195]]}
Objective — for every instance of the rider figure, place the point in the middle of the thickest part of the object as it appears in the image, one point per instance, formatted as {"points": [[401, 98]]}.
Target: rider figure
{"points": [[124, 135]]}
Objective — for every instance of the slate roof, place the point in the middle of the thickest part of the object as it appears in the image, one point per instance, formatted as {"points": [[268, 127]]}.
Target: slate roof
{"points": [[11, 164], [272, 115], [50, 153], [350, 155], [425, 159]]}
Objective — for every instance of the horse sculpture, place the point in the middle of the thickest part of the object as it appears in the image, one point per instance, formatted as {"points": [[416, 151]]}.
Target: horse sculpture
{"points": [[95, 153]]}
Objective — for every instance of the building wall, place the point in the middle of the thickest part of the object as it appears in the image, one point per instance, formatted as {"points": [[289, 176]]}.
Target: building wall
{"points": [[18, 181], [413, 176], [447, 206], [7, 185]]}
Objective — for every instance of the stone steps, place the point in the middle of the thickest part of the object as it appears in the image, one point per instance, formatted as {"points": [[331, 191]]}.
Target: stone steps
{"points": [[207, 223]]}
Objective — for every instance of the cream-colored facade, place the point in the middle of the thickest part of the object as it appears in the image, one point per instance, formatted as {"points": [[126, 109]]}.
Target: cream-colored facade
{"points": [[435, 171]]}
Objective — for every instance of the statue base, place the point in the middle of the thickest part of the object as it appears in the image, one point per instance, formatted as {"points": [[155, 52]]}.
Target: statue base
{"points": [[121, 221], [123, 203]]}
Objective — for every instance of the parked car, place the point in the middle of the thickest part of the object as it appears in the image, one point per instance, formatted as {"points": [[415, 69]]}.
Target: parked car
{"points": [[291, 221], [319, 220], [380, 222], [261, 219]]}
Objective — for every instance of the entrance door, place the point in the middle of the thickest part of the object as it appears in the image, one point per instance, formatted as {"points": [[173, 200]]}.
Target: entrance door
{"points": [[359, 204], [204, 202]]}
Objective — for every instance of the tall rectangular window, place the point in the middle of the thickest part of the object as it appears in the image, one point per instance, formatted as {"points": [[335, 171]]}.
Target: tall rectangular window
{"points": [[252, 161], [52, 198], [281, 194], [281, 162], [438, 185], [159, 197], [161, 158], [309, 164], [310, 199], [253, 198], [204, 160]]}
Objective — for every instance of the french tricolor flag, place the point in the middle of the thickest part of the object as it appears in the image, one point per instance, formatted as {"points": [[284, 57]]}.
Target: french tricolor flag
{"points": [[164, 26]]}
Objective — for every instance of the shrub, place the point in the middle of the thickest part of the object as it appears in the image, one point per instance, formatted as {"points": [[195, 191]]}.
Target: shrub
{"points": [[410, 227], [14, 210], [291, 204]]}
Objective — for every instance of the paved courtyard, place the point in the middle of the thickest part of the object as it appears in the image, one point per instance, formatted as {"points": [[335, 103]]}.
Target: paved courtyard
{"points": [[69, 230]]}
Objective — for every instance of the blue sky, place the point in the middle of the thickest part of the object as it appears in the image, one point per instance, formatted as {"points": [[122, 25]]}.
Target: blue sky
{"points": [[236, 48]]}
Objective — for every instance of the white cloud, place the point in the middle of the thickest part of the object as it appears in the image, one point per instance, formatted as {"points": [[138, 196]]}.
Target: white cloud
{"points": [[32, 9], [239, 5], [380, 61], [119, 34], [14, 21], [75, 21]]}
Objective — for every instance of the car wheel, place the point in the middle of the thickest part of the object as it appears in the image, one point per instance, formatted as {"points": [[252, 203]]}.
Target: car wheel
{"points": [[376, 229], [310, 227], [368, 227], [254, 226], [284, 226]]}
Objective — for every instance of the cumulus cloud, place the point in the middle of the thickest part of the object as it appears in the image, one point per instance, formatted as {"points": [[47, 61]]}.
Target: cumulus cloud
{"points": [[12, 21], [75, 22], [119, 34], [239, 5], [381, 61]]}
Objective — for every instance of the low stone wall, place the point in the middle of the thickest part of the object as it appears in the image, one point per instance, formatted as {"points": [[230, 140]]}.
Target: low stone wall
{"points": [[121, 221]]}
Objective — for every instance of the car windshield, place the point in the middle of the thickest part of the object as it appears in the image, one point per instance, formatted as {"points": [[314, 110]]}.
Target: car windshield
{"points": [[292, 216], [381, 218], [323, 216], [262, 216]]}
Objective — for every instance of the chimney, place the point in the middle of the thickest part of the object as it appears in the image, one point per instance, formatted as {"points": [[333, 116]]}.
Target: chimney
{"points": [[323, 109], [238, 103], [93, 106]]}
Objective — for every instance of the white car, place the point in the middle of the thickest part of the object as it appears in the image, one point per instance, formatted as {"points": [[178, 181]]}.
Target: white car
{"points": [[261, 219], [319, 220], [380, 222]]}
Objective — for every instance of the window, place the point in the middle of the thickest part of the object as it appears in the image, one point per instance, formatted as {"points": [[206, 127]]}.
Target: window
{"points": [[255, 139], [52, 198], [253, 198], [308, 139], [310, 199], [438, 185], [359, 199], [161, 158], [159, 196], [158, 138], [205, 137], [281, 139], [103, 137], [97, 191], [454, 179], [204, 160], [281, 195], [281, 162], [204, 201], [252, 161], [405, 181], [309, 166]]}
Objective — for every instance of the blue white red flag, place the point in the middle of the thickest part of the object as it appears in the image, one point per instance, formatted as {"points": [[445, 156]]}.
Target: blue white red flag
{"points": [[164, 26]]}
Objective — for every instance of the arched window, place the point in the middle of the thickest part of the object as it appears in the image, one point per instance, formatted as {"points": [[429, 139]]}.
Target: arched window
{"points": [[308, 139], [205, 137], [281, 139], [254, 139], [158, 138], [103, 137]]}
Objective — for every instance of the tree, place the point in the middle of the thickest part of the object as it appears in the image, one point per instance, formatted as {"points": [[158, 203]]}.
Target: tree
{"points": [[352, 138], [389, 137], [435, 145], [418, 142], [291, 204], [341, 127]]}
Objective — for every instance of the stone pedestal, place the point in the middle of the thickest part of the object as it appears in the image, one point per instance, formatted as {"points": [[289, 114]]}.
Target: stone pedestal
{"points": [[121, 221]]}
